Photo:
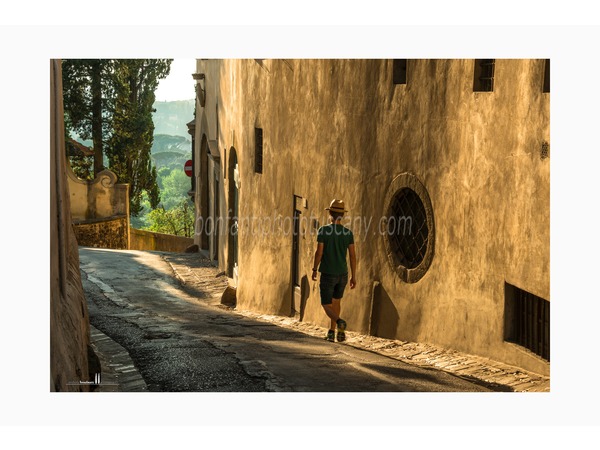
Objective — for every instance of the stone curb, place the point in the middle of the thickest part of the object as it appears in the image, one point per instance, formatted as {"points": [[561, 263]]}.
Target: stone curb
{"points": [[118, 373]]}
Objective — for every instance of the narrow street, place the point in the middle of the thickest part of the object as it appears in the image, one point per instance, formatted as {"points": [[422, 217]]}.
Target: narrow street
{"points": [[180, 342]]}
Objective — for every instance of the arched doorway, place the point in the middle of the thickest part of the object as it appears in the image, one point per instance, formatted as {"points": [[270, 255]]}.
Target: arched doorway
{"points": [[233, 201]]}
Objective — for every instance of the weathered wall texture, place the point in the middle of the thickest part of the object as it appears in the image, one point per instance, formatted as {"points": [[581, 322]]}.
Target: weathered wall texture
{"points": [[69, 321], [342, 129], [149, 240], [97, 199], [99, 210], [103, 233]]}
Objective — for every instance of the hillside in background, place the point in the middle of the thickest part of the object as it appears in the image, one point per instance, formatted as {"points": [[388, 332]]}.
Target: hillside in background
{"points": [[171, 151], [171, 117], [169, 143], [170, 121], [172, 145]]}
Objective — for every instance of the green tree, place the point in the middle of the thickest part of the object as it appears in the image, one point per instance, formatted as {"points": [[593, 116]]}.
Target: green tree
{"points": [[178, 220], [82, 166], [175, 187], [128, 149], [163, 173], [87, 96], [141, 221], [111, 103]]}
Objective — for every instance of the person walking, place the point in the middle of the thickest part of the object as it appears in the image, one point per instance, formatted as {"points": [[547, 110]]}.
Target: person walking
{"points": [[334, 242]]}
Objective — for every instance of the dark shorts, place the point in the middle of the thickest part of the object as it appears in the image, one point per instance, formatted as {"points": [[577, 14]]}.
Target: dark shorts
{"points": [[332, 286]]}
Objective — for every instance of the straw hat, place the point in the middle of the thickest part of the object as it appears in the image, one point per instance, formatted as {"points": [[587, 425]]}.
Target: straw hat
{"points": [[336, 206]]}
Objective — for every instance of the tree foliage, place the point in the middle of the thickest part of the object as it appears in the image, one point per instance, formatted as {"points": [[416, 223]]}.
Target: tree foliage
{"points": [[175, 187], [111, 102], [82, 166], [179, 220], [128, 150], [87, 97]]}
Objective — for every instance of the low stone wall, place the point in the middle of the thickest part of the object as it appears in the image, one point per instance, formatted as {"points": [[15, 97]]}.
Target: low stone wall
{"points": [[149, 240], [103, 233], [115, 233]]}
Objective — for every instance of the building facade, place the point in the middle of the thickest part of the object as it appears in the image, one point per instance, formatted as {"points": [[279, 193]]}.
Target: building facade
{"points": [[70, 348], [443, 166]]}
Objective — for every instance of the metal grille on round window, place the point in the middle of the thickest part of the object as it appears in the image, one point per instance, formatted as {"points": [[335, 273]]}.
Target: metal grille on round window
{"points": [[545, 153], [409, 240], [408, 228]]}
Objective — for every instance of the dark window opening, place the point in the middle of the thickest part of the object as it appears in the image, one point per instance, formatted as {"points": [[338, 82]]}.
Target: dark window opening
{"points": [[527, 320], [546, 76], [484, 75], [399, 71], [407, 228], [545, 152], [258, 150], [296, 250]]}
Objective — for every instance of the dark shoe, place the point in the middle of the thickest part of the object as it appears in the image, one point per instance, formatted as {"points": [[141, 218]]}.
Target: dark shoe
{"points": [[341, 324], [341, 336], [330, 336]]}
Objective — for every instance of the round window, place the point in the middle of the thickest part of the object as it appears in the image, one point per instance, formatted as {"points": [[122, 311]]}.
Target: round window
{"points": [[410, 228]]}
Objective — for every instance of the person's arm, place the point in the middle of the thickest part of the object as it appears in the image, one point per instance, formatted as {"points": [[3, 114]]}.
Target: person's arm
{"points": [[317, 261], [352, 253]]}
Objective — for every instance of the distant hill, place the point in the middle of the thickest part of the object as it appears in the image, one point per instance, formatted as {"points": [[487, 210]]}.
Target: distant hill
{"points": [[170, 160], [171, 151], [172, 145], [168, 143], [171, 117]]}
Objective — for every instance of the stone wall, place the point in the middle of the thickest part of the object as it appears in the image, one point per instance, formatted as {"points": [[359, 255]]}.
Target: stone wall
{"points": [[149, 240], [115, 233], [69, 320], [99, 210], [100, 198], [343, 129], [103, 233]]}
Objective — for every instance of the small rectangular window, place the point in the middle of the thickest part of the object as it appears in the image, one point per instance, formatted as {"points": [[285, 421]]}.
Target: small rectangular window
{"points": [[399, 71], [484, 75], [527, 320], [546, 76], [258, 150]]}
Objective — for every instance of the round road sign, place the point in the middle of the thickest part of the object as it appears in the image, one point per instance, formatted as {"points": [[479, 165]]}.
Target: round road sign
{"points": [[188, 167]]}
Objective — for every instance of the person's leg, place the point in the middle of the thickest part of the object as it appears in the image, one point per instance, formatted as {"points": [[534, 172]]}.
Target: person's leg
{"points": [[326, 287], [338, 293], [335, 306], [328, 308], [331, 313]]}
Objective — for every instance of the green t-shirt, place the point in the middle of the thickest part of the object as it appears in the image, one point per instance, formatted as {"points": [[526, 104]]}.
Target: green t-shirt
{"points": [[336, 238]]}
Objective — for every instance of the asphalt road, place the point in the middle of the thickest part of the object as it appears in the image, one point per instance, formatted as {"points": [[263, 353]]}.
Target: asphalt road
{"points": [[185, 343]]}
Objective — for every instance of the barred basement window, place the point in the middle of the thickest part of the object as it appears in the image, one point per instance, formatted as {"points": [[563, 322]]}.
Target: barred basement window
{"points": [[399, 71], [527, 320], [546, 76], [484, 75], [409, 232], [258, 150]]}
